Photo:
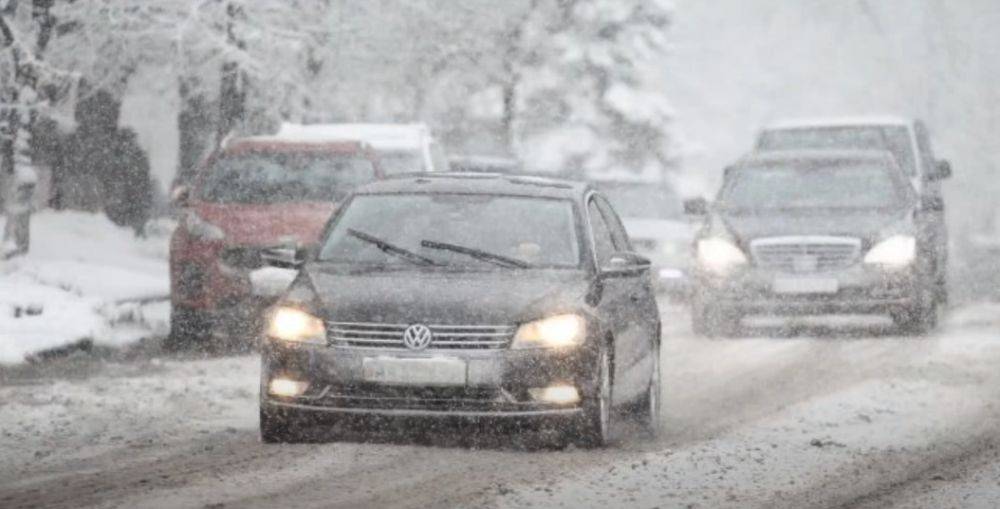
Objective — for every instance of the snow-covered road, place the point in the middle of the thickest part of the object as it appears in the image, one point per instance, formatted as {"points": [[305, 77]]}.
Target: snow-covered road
{"points": [[830, 415]]}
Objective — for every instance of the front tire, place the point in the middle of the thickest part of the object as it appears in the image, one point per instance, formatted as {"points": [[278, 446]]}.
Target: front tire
{"points": [[648, 407], [922, 316], [278, 426], [593, 427]]}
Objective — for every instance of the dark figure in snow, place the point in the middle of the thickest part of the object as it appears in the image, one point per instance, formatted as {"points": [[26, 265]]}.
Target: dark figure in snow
{"points": [[110, 158]]}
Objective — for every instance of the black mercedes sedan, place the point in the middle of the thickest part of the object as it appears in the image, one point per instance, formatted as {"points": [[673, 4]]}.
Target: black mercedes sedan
{"points": [[466, 295], [816, 232]]}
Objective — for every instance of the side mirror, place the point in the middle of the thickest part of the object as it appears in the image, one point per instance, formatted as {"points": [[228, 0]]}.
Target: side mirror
{"points": [[942, 170], [624, 264], [284, 257], [181, 196], [696, 207], [931, 204]]}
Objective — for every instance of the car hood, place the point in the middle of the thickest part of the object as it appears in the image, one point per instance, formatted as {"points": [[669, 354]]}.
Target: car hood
{"points": [[402, 297], [266, 224], [867, 225], [663, 230]]}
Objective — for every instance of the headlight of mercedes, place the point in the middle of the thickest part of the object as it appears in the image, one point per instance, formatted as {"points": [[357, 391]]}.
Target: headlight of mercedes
{"points": [[553, 332], [719, 256], [894, 252], [296, 326]]}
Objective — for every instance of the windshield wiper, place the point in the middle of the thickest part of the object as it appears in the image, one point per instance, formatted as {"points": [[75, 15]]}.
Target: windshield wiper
{"points": [[389, 248], [478, 254]]}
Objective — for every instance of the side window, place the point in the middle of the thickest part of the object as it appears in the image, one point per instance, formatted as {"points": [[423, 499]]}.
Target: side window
{"points": [[603, 244], [618, 234]]}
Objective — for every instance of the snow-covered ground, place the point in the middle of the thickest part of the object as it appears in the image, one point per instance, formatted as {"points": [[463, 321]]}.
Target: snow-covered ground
{"points": [[84, 279], [840, 416]]}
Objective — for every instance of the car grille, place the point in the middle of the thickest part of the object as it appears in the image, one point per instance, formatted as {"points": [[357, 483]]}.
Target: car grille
{"points": [[805, 254], [242, 258], [445, 337]]}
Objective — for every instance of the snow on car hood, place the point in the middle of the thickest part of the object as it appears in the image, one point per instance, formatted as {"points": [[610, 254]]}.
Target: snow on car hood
{"points": [[490, 298]]}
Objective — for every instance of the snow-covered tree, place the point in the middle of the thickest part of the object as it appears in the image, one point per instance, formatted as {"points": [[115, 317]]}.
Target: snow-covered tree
{"points": [[28, 85], [584, 101]]}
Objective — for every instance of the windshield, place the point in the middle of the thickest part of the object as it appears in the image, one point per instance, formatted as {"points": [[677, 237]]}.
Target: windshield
{"points": [[284, 177], [895, 139], [456, 230], [395, 163], [642, 200], [799, 186]]}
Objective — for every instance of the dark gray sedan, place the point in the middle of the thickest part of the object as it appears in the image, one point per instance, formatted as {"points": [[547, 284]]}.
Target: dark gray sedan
{"points": [[458, 295]]}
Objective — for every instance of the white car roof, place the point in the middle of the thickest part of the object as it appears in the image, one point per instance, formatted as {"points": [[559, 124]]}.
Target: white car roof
{"points": [[872, 120], [390, 137]]}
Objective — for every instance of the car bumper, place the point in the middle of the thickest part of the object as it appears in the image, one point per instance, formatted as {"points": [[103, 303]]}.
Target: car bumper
{"points": [[858, 290], [497, 382]]}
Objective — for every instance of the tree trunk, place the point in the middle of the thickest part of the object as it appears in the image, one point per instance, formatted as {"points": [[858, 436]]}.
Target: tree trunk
{"points": [[195, 122], [232, 89]]}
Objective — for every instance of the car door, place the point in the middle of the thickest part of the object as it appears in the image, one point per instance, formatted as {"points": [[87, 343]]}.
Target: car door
{"points": [[613, 306], [640, 312]]}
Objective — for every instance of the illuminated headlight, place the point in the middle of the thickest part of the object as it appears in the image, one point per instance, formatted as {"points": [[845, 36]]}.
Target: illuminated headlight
{"points": [[553, 332], [558, 394], [295, 325], [196, 226], [287, 388], [894, 252], [719, 256]]}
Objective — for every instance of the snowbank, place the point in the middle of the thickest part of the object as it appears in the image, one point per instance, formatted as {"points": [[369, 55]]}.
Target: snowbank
{"points": [[84, 279]]}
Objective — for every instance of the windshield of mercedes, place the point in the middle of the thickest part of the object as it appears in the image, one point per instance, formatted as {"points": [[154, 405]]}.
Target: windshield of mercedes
{"points": [[278, 177], [895, 139], [474, 231], [796, 186]]}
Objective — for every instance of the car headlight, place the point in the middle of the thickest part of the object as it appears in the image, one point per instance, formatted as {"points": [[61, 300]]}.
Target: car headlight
{"points": [[719, 255], [196, 226], [894, 252], [295, 325], [552, 332]]}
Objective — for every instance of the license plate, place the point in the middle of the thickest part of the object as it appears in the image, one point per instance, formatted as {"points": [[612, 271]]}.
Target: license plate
{"points": [[800, 286], [432, 371]]}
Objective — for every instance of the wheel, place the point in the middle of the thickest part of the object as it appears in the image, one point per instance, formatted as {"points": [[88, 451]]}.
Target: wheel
{"points": [[711, 321], [647, 408], [922, 316], [187, 327], [278, 426], [593, 427]]}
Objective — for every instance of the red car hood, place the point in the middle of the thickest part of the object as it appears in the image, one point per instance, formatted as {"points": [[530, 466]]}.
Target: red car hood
{"points": [[268, 224]]}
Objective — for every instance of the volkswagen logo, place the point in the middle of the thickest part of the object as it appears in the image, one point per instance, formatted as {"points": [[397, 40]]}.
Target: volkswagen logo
{"points": [[417, 337]]}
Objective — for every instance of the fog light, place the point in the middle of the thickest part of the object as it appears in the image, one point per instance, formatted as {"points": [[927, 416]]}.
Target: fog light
{"points": [[287, 388], [558, 394]]}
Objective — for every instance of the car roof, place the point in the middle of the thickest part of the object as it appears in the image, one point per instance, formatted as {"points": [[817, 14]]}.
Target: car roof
{"points": [[869, 120], [476, 183], [279, 144], [818, 156], [389, 137]]}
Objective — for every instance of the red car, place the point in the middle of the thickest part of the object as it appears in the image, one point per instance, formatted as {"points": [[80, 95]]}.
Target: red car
{"points": [[252, 195]]}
